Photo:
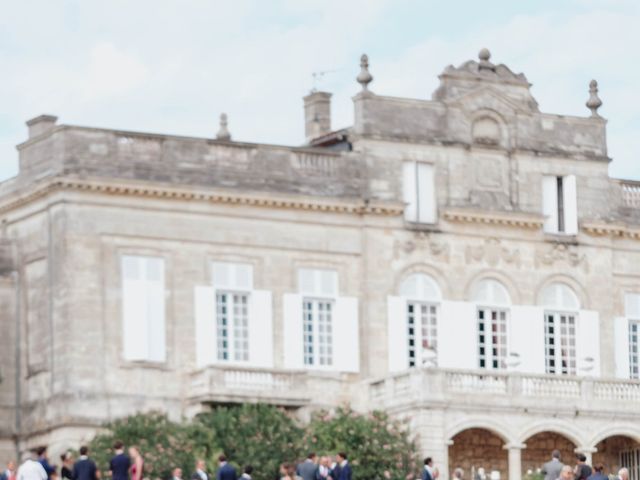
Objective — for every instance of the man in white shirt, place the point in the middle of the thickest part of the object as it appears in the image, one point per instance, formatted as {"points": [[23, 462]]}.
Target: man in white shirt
{"points": [[31, 470], [248, 470], [200, 473]]}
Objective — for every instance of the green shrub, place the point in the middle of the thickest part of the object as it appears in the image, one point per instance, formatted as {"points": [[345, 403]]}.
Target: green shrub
{"points": [[373, 442], [163, 444], [260, 435]]}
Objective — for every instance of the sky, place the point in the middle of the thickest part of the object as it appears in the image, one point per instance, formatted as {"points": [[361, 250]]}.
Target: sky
{"points": [[172, 66]]}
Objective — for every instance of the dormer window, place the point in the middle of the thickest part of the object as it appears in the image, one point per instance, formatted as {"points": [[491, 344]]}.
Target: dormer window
{"points": [[419, 192], [559, 204]]}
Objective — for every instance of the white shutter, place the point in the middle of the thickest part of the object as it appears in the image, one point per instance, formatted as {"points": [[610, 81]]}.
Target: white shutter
{"points": [[205, 316], [570, 203], [550, 203], [588, 343], [261, 329], [346, 335], [156, 315], [397, 336], [409, 191], [526, 337], [426, 194], [621, 346], [293, 340], [457, 335], [134, 319]]}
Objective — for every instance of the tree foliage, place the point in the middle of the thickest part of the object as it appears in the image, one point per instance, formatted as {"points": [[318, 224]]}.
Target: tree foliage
{"points": [[260, 435], [263, 436], [374, 443], [163, 444]]}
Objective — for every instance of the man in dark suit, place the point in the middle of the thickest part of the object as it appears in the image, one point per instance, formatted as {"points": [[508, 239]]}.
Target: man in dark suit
{"points": [[427, 472], [84, 468], [345, 468], [200, 473], [226, 471], [120, 463]]}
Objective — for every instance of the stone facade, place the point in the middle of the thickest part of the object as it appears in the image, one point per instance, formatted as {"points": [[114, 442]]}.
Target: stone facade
{"points": [[86, 197]]}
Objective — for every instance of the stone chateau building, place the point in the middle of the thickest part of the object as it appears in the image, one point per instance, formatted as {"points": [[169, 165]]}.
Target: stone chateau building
{"points": [[464, 262]]}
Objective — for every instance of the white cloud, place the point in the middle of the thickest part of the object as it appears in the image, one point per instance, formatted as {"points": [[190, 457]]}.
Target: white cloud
{"points": [[174, 66]]}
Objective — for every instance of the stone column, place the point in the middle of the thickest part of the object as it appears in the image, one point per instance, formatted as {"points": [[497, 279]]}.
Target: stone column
{"points": [[443, 461], [515, 460]]}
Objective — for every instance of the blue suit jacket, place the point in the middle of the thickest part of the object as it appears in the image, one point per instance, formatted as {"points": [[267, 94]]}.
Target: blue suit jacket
{"points": [[227, 472], [426, 475], [345, 472]]}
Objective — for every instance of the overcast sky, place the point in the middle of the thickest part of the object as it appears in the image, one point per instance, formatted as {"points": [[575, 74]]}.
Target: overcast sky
{"points": [[172, 66]]}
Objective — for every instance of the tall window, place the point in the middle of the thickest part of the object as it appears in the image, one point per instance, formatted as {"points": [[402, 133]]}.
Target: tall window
{"points": [[422, 329], [422, 299], [560, 204], [319, 289], [560, 343], [493, 300], [419, 192], [143, 308], [632, 312], [233, 284], [560, 326]]}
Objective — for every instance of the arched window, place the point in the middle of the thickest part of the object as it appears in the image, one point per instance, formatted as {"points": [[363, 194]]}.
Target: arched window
{"points": [[560, 320], [422, 297], [493, 300]]}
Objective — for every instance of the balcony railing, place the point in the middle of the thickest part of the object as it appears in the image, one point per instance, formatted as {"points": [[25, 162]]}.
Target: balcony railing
{"points": [[630, 193], [232, 384], [509, 388]]}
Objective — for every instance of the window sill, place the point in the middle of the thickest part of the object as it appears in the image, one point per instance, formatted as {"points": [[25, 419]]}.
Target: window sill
{"points": [[148, 364], [422, 227], [563, 238]]}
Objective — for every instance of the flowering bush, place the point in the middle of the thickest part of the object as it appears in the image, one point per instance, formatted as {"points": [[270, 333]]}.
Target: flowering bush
{"points": [[260, 435], [374, 443], [163, 444], [263, 436]]}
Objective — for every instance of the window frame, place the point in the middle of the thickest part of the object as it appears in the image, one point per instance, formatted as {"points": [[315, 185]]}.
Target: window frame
{"points": [[559, 313]]}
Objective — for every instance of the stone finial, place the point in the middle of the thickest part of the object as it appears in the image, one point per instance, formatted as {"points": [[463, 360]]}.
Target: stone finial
{"points": [[364, 77], [594, 102], [223, 133], [484, 55]]}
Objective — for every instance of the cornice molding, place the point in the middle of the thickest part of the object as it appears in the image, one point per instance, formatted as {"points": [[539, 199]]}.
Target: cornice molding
{"points": [[612, 230], [509, 219], [139, 189]]}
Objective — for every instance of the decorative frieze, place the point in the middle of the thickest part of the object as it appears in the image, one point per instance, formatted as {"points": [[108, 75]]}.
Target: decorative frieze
{"points": [[550, 255], [492, 252]]}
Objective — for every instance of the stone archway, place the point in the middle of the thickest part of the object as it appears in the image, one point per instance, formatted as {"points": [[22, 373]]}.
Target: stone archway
{"points": [[475, 448], [539, 447], [617, 451]]}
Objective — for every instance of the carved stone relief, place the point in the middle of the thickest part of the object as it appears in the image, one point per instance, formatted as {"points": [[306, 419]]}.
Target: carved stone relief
{"points": [[492, 253], [559, 253]]}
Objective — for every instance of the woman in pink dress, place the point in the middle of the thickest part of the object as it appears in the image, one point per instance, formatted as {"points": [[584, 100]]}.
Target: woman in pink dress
{"points": [[137, 463]]}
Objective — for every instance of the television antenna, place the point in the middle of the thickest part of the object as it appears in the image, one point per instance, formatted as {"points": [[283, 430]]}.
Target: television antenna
{"points": [[318, 77]]}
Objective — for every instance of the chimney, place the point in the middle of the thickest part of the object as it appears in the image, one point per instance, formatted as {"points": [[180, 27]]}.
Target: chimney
{"points": [[317, 115], [41, 124]]}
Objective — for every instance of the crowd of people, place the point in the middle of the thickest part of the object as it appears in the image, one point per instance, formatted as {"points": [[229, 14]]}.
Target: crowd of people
{"points": [[552, 470], [129, 465]]}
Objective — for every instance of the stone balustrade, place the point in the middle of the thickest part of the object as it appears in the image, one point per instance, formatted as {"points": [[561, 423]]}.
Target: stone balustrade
{"points": [[630, 193], [295, 388], [433, 385]]}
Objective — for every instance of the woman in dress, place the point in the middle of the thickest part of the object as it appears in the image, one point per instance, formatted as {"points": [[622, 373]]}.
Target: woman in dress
{"points": [[137, 463], [67, 466]]}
